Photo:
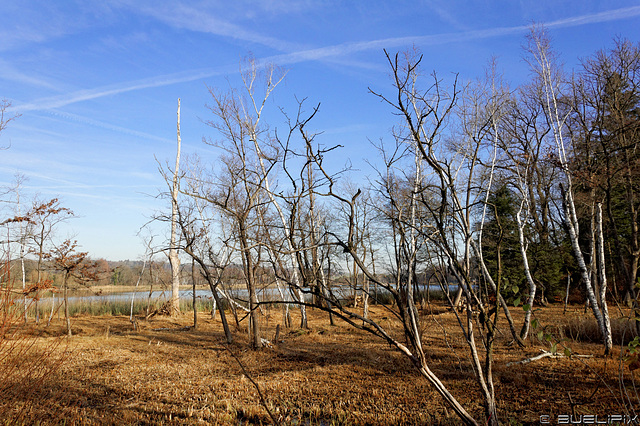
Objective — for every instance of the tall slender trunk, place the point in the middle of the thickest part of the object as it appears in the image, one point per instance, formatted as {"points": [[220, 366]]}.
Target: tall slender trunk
{"points": [[413, 243], [313, 234], [53, 305], [572, 226], [66, 302], [608, 343], [22, 244], [544, 69], [527, 271], [24, 279], [174, 260], [193, 289], [151, 281], [39, 275]]}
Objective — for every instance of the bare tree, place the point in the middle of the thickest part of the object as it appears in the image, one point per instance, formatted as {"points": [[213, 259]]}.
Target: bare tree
{"points": [[174, 258], [239, 189], [447, 197], [73, 264], [431, 109], [44, 217], [5, 118], [195, 228]]}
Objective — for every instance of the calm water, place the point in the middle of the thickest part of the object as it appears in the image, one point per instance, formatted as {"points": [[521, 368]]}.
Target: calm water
{"points": [[269, 293]]}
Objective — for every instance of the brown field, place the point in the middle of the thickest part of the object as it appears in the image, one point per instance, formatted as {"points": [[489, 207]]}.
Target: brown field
{"points": [[113, 374]]}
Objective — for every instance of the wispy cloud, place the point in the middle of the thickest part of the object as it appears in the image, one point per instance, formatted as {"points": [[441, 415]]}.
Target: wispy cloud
{"points": [[334, 52], [198, 18], [39, 21], [91, 122], [442, 12], [108, 126], [21, 35], [10, 73]]}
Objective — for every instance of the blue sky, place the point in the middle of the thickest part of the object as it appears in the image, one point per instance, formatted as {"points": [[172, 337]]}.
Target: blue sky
{"points": [[97, 82]]}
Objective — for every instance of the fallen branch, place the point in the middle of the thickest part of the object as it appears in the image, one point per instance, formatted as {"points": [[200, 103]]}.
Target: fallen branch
{"points": [[187, 328], [545, 354]]}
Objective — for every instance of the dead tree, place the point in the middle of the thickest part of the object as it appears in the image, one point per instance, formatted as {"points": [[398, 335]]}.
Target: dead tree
{"points": [[174, 258]]}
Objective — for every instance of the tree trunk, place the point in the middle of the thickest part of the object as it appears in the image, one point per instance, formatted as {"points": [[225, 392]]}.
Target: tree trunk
{"points": [[193, 288], [546, 72], [571, 222], [223, 316], [527, 271], [39, 276], [608, 344], [24, 280], [53, 304], [254, 318], [288, 237], [174, 260], [459, 409], [66, 302]]}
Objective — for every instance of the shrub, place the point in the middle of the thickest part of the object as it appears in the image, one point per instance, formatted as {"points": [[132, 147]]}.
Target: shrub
{"points": [[26, 365]]}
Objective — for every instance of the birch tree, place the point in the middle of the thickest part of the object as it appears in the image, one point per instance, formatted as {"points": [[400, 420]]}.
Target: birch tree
{"points": [[544, 66], [529, 173], [605, 121]]}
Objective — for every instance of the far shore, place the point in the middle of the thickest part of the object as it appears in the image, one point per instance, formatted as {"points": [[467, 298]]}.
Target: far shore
{"points": [[112, 289]]}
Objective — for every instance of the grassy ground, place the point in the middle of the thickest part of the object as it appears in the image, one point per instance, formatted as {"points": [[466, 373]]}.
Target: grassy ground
{"points": [[162, 373]]}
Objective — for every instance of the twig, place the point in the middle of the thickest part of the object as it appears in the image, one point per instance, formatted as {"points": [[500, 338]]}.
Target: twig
{"points": [[262, 400]]}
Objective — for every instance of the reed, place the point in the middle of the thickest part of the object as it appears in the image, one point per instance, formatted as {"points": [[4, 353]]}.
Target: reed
{"points": [[115, 307]]}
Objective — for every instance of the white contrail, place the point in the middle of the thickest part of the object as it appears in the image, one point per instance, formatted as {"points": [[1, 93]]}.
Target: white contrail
{"points": [[115, 89]]}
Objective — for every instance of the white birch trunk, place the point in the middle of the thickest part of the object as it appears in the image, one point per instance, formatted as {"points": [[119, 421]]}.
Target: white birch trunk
{"points": [[22, 244], [584, 271], [24, 280], [571, 218], [413, 242], [527, 271], [608, 343]]}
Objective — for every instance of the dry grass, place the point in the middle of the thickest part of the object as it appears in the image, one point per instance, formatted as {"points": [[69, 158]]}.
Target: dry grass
{"points": [[324, 375], [28, 365], [585, 329]]}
